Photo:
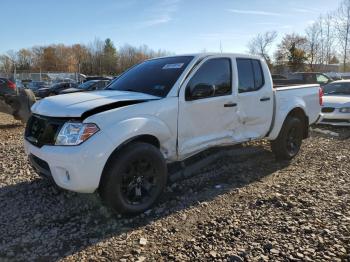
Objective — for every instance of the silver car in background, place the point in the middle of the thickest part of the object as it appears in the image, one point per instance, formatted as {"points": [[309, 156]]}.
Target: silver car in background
{"points": [[336, 104]]}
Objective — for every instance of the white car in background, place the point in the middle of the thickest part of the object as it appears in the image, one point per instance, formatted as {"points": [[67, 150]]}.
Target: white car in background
{"points": [[336, 104]]}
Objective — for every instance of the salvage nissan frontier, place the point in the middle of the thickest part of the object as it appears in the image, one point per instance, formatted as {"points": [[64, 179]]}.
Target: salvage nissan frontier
{"points": [[118, 141]]}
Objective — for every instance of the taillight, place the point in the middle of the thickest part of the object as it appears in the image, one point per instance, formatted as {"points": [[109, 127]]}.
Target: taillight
{"points": [[11, 85], [320, 96]]}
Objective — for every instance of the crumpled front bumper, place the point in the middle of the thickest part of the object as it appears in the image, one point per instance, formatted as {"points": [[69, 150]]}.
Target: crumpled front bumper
{"points": [[75, 168]]}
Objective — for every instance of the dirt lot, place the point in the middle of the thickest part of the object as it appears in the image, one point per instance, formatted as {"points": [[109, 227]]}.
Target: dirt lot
{"points": [[237, 209]]}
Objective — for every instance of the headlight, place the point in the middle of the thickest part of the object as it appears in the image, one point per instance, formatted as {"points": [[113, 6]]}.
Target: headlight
{"points": [[344, 110], [75, 133]]}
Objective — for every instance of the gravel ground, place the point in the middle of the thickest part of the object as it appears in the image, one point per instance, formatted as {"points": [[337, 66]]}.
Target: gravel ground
{"points": [[236, 209]]}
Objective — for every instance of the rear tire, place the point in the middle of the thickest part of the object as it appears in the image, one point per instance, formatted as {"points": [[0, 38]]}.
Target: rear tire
{"points": [[134, 178], [289, 140]]}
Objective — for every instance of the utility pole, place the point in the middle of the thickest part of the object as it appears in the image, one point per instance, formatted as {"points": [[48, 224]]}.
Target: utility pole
{"points": [[220, 47]]}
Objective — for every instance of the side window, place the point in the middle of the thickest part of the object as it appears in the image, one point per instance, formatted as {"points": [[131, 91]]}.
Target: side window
{"points": [[309, 78], [296, 77], [101, 85], [321, 79], [214, 76], [250, 75]]}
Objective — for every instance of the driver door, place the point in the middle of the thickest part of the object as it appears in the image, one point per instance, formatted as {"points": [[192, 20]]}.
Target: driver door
{"points": [[206, 107]]}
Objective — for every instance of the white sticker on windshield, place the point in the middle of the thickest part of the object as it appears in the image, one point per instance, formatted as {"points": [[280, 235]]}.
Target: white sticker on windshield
{"points": [[173, 66]]}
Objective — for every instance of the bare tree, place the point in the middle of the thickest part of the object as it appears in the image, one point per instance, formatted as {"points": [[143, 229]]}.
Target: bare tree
{"points": [[328, 37], [261, 44], [313, 43], [5, 64], [342, 26], [291, 52]]}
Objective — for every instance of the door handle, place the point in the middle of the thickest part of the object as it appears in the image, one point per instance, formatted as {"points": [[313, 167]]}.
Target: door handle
{"points": [[263, 99], [230, 105]]}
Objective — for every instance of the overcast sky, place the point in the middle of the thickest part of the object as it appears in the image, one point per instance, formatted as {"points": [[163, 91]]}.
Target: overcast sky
{"points": [[179, 26]]}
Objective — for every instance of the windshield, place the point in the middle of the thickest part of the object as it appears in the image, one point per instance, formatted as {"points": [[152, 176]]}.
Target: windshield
{"points": [[86, 85], [337, 89], [155, 77]]}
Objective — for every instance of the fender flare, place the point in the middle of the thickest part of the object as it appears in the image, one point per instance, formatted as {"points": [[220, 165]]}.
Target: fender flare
{"points": [[284, 114]]}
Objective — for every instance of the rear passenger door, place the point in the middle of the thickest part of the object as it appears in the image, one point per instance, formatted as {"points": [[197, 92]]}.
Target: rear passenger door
{"points": [[255, 98]]}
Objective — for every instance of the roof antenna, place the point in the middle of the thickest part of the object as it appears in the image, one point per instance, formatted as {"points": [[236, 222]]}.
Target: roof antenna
{"points": [[220, 47]]}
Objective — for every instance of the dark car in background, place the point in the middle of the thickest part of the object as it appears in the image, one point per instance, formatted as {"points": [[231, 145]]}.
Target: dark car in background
{"points": [[89, 78], [55, 89], [302, 78], [7, 87], [87, 86], [36, 85], [278, 76]]}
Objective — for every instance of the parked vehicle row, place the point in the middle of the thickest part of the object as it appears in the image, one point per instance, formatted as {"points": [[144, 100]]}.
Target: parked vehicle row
{"points": [[55, 89], [118, 141], [42, 90], [301, 78], [90, 85]]}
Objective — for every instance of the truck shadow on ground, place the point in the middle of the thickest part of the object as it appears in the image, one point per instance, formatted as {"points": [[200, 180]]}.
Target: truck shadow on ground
{"points": [[40, 222], [10, 126]]}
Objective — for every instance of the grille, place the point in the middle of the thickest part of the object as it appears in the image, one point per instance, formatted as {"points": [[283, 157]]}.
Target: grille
{"points": [[327, 109], [43, 130]]}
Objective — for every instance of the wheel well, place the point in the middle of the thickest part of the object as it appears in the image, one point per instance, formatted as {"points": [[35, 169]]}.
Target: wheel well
{"points": [[299, 113], [149, 139]]}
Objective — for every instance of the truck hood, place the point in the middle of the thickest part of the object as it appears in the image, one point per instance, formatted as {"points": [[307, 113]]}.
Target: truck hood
{"points": [[336, 101], [76, 104]]}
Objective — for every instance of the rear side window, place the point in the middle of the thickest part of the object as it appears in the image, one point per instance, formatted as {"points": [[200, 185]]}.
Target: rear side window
{"points": [[250, 75], [321, 79], [296, 77], [309, 78], [258, 74]]}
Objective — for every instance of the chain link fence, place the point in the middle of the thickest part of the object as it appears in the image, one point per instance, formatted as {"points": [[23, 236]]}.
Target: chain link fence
{"points": [[48, 77]]}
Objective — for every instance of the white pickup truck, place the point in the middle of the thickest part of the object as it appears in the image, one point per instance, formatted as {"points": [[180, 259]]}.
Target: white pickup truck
{"points": [[119, 141]]}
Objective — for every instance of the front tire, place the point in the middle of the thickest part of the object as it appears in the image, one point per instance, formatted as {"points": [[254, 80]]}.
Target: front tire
{"points": [[289, 140], [134, 178]]}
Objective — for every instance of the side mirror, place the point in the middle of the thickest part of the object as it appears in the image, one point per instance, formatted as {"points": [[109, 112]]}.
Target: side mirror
{"points": [[201, 91]]}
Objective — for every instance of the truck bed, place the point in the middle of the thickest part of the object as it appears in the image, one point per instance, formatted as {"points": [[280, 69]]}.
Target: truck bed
{"points": [[304, 97]]}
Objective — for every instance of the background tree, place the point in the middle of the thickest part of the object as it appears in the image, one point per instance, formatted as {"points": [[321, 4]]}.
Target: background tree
{"points": [[24, 59], [342, 26], [260, 45], [313, 44], [109, 57], [292, 52]]}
